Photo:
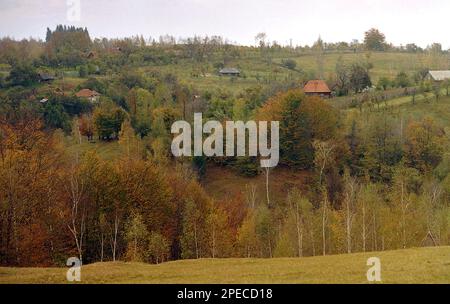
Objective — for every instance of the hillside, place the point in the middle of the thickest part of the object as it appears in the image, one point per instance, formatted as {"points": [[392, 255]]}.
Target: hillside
{"points": [[260, 71], [349, 168], [221, 182], [424, 265], [257, 71]]}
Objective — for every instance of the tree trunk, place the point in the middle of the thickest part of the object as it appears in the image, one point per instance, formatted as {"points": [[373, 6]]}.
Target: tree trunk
{"points": [[299, 233], [348, 227], [101, 244], [323, 227], [374, 223], [364, 225], [213, 242], [267, 187], [114, 236], [195, 240]]}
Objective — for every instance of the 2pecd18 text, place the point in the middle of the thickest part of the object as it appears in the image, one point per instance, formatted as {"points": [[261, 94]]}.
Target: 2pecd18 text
{"points": [[226, 294]]}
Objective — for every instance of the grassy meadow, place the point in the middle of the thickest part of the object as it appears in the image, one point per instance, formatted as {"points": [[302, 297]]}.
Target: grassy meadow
{"points": [[424, 265], [257, 70]]}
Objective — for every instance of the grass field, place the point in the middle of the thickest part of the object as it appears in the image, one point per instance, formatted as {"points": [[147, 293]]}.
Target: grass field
{"points": [[258, 71], [421, 265], [106, 150]]}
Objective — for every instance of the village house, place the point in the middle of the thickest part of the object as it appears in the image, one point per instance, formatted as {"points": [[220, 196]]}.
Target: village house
{"points": [[438, 76], [45, 77], [91, 95], [317, 88], [229, 72]]}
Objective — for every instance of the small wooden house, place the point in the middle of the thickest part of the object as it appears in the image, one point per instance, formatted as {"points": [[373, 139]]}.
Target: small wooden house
{"points": [[45, 77], [230, 72], [317, 88]]}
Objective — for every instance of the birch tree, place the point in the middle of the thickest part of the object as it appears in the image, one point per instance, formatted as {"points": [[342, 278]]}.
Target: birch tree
{"points": [[75, 189], [323, 156], [301, 209], [350, 207], [324, 212]]}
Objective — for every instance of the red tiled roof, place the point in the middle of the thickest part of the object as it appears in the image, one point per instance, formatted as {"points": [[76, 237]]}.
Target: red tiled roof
{"points": [[316, 86], [87, 93]]}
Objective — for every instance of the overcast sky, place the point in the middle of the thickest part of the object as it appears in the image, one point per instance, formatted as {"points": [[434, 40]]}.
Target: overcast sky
{"points": [[402, 21]]}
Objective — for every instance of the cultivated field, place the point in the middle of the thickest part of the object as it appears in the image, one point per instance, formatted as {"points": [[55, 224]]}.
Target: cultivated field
{"points": [[421, 265]]}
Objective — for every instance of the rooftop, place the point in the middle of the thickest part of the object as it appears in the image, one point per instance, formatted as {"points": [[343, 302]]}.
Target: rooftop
{"points": [[229, 71], [440, 75], [316, 86], [87, 93]]}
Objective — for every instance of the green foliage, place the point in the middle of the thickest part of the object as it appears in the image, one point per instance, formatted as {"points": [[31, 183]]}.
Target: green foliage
{"points": [[140, 103], [384, 83], [23, 75], [158, 248], [136, 235], [132, 79], [374, 40], [289, 64], [72, 105], [108, 120], [359, 78], [83, 71], [302, 119], [402, 80], [192, 240], [424, 145], [55, 117], [220, 108], [67, 45], [93, 84], [383, 150], [264, 231], [199, 164], [248, 166]]}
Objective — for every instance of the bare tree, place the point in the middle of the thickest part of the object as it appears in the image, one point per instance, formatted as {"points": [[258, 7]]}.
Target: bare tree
{"points": [[293, 199], [260, 39], [363, 230], [433, 195], [404, 205], [323, 156], [324, 220], [267, 170], [102, 224], [76, 226], [250, 195], [350, 210], [114, 234]]}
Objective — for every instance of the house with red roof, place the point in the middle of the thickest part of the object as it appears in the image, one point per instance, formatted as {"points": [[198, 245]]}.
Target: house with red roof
{"points": [[91, 95], [317, 88]]}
